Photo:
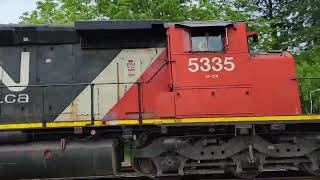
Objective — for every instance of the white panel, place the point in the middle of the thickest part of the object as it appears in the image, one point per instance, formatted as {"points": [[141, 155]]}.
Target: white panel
{"points": [[127, 67]]}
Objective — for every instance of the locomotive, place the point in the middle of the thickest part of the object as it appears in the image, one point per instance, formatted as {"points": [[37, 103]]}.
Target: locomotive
{"points": [[104, 98]]}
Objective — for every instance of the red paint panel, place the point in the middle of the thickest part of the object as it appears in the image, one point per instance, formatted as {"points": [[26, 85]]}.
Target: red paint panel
{"points": [[215, 101], [127, 106], [269, 76], [276, 93]]}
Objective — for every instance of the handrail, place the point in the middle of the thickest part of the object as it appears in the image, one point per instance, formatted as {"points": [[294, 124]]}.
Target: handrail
{"points": [[311, 101], [304, 78], [92, 85]]}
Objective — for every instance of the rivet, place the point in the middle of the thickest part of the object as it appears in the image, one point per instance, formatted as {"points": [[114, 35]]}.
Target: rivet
{"points": [[47, 154]]}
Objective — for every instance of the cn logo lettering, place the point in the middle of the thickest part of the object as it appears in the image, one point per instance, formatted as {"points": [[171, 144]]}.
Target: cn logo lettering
{"points": [[24, 75]]}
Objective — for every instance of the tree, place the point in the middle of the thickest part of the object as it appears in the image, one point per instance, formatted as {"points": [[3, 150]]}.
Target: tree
{"points": [[293, 23], [173, 10], [67, 11], [303, 32], [308, 65], [60, 12], [303, 22]]}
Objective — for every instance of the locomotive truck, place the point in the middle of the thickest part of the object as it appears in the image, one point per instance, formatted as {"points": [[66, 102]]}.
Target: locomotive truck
{"points": [[108, 98]]}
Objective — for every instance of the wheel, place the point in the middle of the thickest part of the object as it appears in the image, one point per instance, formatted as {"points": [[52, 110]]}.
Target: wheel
{"points": [[249, 168], [246, 174], [144, 166], [169, 178]]}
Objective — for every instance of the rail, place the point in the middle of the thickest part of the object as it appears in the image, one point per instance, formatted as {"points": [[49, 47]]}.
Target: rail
{"points": [[9, 106], [314, 96]]}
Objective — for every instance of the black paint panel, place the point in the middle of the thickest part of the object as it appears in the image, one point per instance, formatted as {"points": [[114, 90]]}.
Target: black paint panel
{"points": [[117, 24], [123, 39], [60, 64], [121, 34], [40, 34]]}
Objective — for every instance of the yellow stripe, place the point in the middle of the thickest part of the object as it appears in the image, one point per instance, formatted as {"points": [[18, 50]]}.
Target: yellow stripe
{"points": [[20, 126], [159, 121], [232, 119], [68, 124]]}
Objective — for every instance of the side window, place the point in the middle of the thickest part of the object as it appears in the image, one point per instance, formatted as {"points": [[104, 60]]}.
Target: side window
{"points": [[199, 42], [203, 41], [215, 43]]}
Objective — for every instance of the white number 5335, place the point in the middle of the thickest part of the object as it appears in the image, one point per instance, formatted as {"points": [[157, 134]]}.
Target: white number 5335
{"points": [[215, 64]]}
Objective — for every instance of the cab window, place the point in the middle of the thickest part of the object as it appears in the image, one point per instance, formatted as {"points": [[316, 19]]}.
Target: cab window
{"points": [[203, 41]]}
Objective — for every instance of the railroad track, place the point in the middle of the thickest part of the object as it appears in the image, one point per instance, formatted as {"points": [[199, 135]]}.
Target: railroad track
{"points": [[280, 178], [187, 178], [272, 178], [290, 178], [285, 175]]}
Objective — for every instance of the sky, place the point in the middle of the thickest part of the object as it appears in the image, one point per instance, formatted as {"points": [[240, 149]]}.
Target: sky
{"points": [[11, 10]]}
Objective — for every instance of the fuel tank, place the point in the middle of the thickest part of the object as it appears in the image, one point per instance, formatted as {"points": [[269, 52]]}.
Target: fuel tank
{"points": [[59, 159]]}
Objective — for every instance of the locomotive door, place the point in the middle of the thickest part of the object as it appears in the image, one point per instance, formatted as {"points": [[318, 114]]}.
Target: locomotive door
{"points": [[207, 76]]}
